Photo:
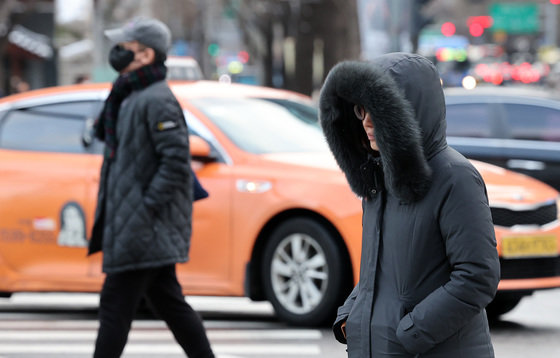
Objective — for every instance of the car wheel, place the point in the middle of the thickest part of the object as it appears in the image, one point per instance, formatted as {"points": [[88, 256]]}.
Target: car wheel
{"points": [[503, 303], [304, 272]]}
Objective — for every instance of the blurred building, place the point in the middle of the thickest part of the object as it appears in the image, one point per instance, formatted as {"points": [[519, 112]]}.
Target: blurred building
{"points": [[281, 43], [27, 53], [74, 40]]}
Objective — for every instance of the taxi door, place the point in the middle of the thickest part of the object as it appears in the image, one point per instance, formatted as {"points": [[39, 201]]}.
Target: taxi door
{"points": [[44, 211], [208, 271]]}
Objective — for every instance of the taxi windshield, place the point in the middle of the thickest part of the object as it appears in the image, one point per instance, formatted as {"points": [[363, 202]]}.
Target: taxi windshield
{"points": [[266, 125]]}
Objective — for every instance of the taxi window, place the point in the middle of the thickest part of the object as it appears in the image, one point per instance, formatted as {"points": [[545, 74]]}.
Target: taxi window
{"points": [[184, 73], [533, 122], [49, 128], [469, 120], [264, 126]]}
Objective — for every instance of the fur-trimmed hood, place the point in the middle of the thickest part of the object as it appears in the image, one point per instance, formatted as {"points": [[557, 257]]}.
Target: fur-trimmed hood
{"points": [[403, 94]]}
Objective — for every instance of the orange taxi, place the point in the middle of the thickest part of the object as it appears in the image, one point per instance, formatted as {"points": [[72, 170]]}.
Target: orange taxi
{"points": [[281, 223]]}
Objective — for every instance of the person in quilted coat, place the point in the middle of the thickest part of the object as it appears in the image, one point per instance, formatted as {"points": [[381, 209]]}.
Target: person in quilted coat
{"points": [[429, 262], [143, 216]]}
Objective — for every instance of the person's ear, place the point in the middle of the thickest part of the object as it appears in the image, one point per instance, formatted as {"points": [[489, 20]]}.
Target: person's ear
{"points": [[148, 56]]}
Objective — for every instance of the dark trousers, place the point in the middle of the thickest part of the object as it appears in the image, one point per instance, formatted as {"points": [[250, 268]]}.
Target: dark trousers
{"points": [[120, 297]]}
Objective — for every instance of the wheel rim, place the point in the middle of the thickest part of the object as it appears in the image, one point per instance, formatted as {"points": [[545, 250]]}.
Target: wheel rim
{"points": [[299, 273]]}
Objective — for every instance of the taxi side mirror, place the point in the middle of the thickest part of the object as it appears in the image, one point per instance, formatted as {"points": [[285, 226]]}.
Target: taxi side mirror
{"points": [[88, 132], [200, 149]]}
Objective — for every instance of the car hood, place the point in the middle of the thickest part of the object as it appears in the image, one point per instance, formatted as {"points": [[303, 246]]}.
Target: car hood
{"points": [[318, 160], [509, 188], [504, 186], [315, 168]]}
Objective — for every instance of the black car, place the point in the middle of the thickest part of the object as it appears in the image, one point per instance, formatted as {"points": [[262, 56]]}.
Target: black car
{"points": [[515, 128]]}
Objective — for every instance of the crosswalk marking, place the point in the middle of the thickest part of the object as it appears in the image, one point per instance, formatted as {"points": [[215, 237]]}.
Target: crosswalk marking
{"points": [[254, 335], [169, 348], [213, 304], [42, 338], [136, 324], [26, 331]]}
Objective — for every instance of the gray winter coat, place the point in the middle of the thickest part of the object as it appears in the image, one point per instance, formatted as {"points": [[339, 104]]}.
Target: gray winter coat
{"points": [[429, 262], [143, 216]]}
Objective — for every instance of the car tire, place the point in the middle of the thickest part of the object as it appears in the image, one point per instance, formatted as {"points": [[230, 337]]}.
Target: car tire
{"points": [[502, 303], [305, 274]]}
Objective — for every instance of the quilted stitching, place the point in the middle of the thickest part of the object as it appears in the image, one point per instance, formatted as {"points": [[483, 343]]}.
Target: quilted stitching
{"points": [[135, 236]]}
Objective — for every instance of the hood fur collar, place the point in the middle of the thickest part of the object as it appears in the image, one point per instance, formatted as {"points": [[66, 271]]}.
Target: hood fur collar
{"points": [[406, 172]]}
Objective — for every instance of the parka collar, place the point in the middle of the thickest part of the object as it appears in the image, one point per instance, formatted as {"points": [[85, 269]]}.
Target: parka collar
{"points": [[403, 94]]}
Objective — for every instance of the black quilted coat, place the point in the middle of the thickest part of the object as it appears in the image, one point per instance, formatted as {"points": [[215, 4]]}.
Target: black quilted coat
{"points": [[429, 263], [143, 215]]}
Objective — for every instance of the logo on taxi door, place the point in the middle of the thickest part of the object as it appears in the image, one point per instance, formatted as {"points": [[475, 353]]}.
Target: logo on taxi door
{"points": [[72, 226]]}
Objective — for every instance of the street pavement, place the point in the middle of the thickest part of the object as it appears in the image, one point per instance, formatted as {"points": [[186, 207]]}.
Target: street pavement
{"points": [[531, 330], [64, 325]]}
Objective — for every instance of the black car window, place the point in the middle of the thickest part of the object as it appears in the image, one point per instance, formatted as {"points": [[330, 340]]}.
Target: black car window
{"points": [[532, 122], [50, 128], [469, 120]]}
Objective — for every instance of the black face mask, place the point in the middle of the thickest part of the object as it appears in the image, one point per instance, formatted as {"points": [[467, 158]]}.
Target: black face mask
{"points": [[120, 58]]}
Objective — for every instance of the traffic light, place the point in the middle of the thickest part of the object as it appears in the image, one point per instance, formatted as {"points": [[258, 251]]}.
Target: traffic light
{"points": [[476, 30], [213, 49], [477, 24], [448, 29], [243, 56]]}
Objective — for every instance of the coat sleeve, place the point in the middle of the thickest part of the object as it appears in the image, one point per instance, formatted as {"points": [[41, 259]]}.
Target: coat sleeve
{"points": [[466, 226], [343, 313], [169, 135]]}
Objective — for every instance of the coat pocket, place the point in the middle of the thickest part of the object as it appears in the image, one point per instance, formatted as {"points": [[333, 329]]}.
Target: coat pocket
{"points": [[354, 332]]}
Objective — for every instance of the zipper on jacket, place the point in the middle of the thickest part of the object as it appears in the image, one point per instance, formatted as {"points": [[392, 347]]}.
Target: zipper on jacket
{"points": [[378, 243]]}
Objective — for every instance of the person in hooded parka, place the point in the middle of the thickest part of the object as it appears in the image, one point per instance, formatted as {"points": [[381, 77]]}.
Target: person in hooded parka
{"points": [[429, 263]]}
